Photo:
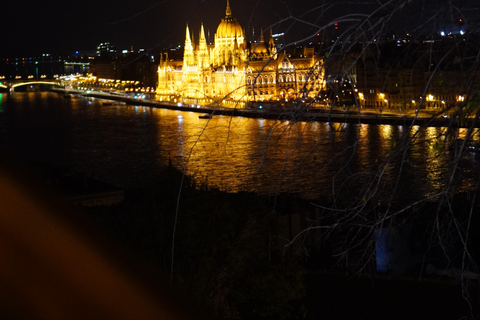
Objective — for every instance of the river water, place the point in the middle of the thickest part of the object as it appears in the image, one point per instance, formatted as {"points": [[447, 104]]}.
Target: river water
{"points": [[128, 145]]}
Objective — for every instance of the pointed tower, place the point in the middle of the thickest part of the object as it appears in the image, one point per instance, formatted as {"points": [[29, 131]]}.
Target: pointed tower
{"points": [[202, 44], [188, 55], [259, 49], [271, 44], [188, 40], [228, 12], [202, 53]]}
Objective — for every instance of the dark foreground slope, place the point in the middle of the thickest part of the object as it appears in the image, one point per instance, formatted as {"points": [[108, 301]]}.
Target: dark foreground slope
{"points": [[232, 258]]}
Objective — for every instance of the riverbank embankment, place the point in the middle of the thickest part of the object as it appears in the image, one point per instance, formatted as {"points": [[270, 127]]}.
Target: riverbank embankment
{"points": [[293, 113]]}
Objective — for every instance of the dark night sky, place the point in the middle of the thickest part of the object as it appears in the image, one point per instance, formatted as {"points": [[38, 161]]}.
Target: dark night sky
{"points": [[33, 27]]}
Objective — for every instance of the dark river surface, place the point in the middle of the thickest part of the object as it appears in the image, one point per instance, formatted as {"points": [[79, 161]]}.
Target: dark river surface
{"points": [[128, 145]]}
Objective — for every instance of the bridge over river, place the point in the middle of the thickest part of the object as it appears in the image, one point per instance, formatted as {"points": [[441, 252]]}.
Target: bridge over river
{"points": [[10, 85]]}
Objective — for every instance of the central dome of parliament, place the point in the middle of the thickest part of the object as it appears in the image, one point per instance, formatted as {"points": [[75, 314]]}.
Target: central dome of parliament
{"points": [[229, 27]]}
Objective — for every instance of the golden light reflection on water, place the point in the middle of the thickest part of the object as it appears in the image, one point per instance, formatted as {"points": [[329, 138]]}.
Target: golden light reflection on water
{"points": [[374, 145], [241, 153], [435, 166], [211, 145], [120, 143], [250, 154], [271, 156], [385, 132]]}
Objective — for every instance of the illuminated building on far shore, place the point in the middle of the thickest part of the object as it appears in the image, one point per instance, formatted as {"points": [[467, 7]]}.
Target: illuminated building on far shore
{"points": [[236, 70]]}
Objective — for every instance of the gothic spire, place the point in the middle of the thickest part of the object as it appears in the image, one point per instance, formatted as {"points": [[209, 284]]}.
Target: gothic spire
{"points": [[202, 34], [271, 38], [187, 36], [228, 11]]}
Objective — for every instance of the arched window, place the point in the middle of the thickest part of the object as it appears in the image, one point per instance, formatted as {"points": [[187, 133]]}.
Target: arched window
{"points": [[280, 78], [249, 80], [271, 79]]}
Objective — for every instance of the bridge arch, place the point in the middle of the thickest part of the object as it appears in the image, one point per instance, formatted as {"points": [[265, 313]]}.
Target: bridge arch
{"points": [[26, 83]]}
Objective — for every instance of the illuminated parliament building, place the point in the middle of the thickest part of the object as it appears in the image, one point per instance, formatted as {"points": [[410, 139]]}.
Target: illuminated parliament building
{"points": [[232, 69]]}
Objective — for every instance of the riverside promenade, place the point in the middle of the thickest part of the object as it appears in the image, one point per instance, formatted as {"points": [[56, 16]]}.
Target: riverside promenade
{"points": [[295, 112]]}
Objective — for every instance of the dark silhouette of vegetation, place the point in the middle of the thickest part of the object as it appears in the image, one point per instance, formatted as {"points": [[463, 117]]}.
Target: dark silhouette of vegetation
{"points": [[227, 258], [232, 262]]}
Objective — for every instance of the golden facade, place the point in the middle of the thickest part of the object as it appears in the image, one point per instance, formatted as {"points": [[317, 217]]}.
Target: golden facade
{"points": [[232, 69]]}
